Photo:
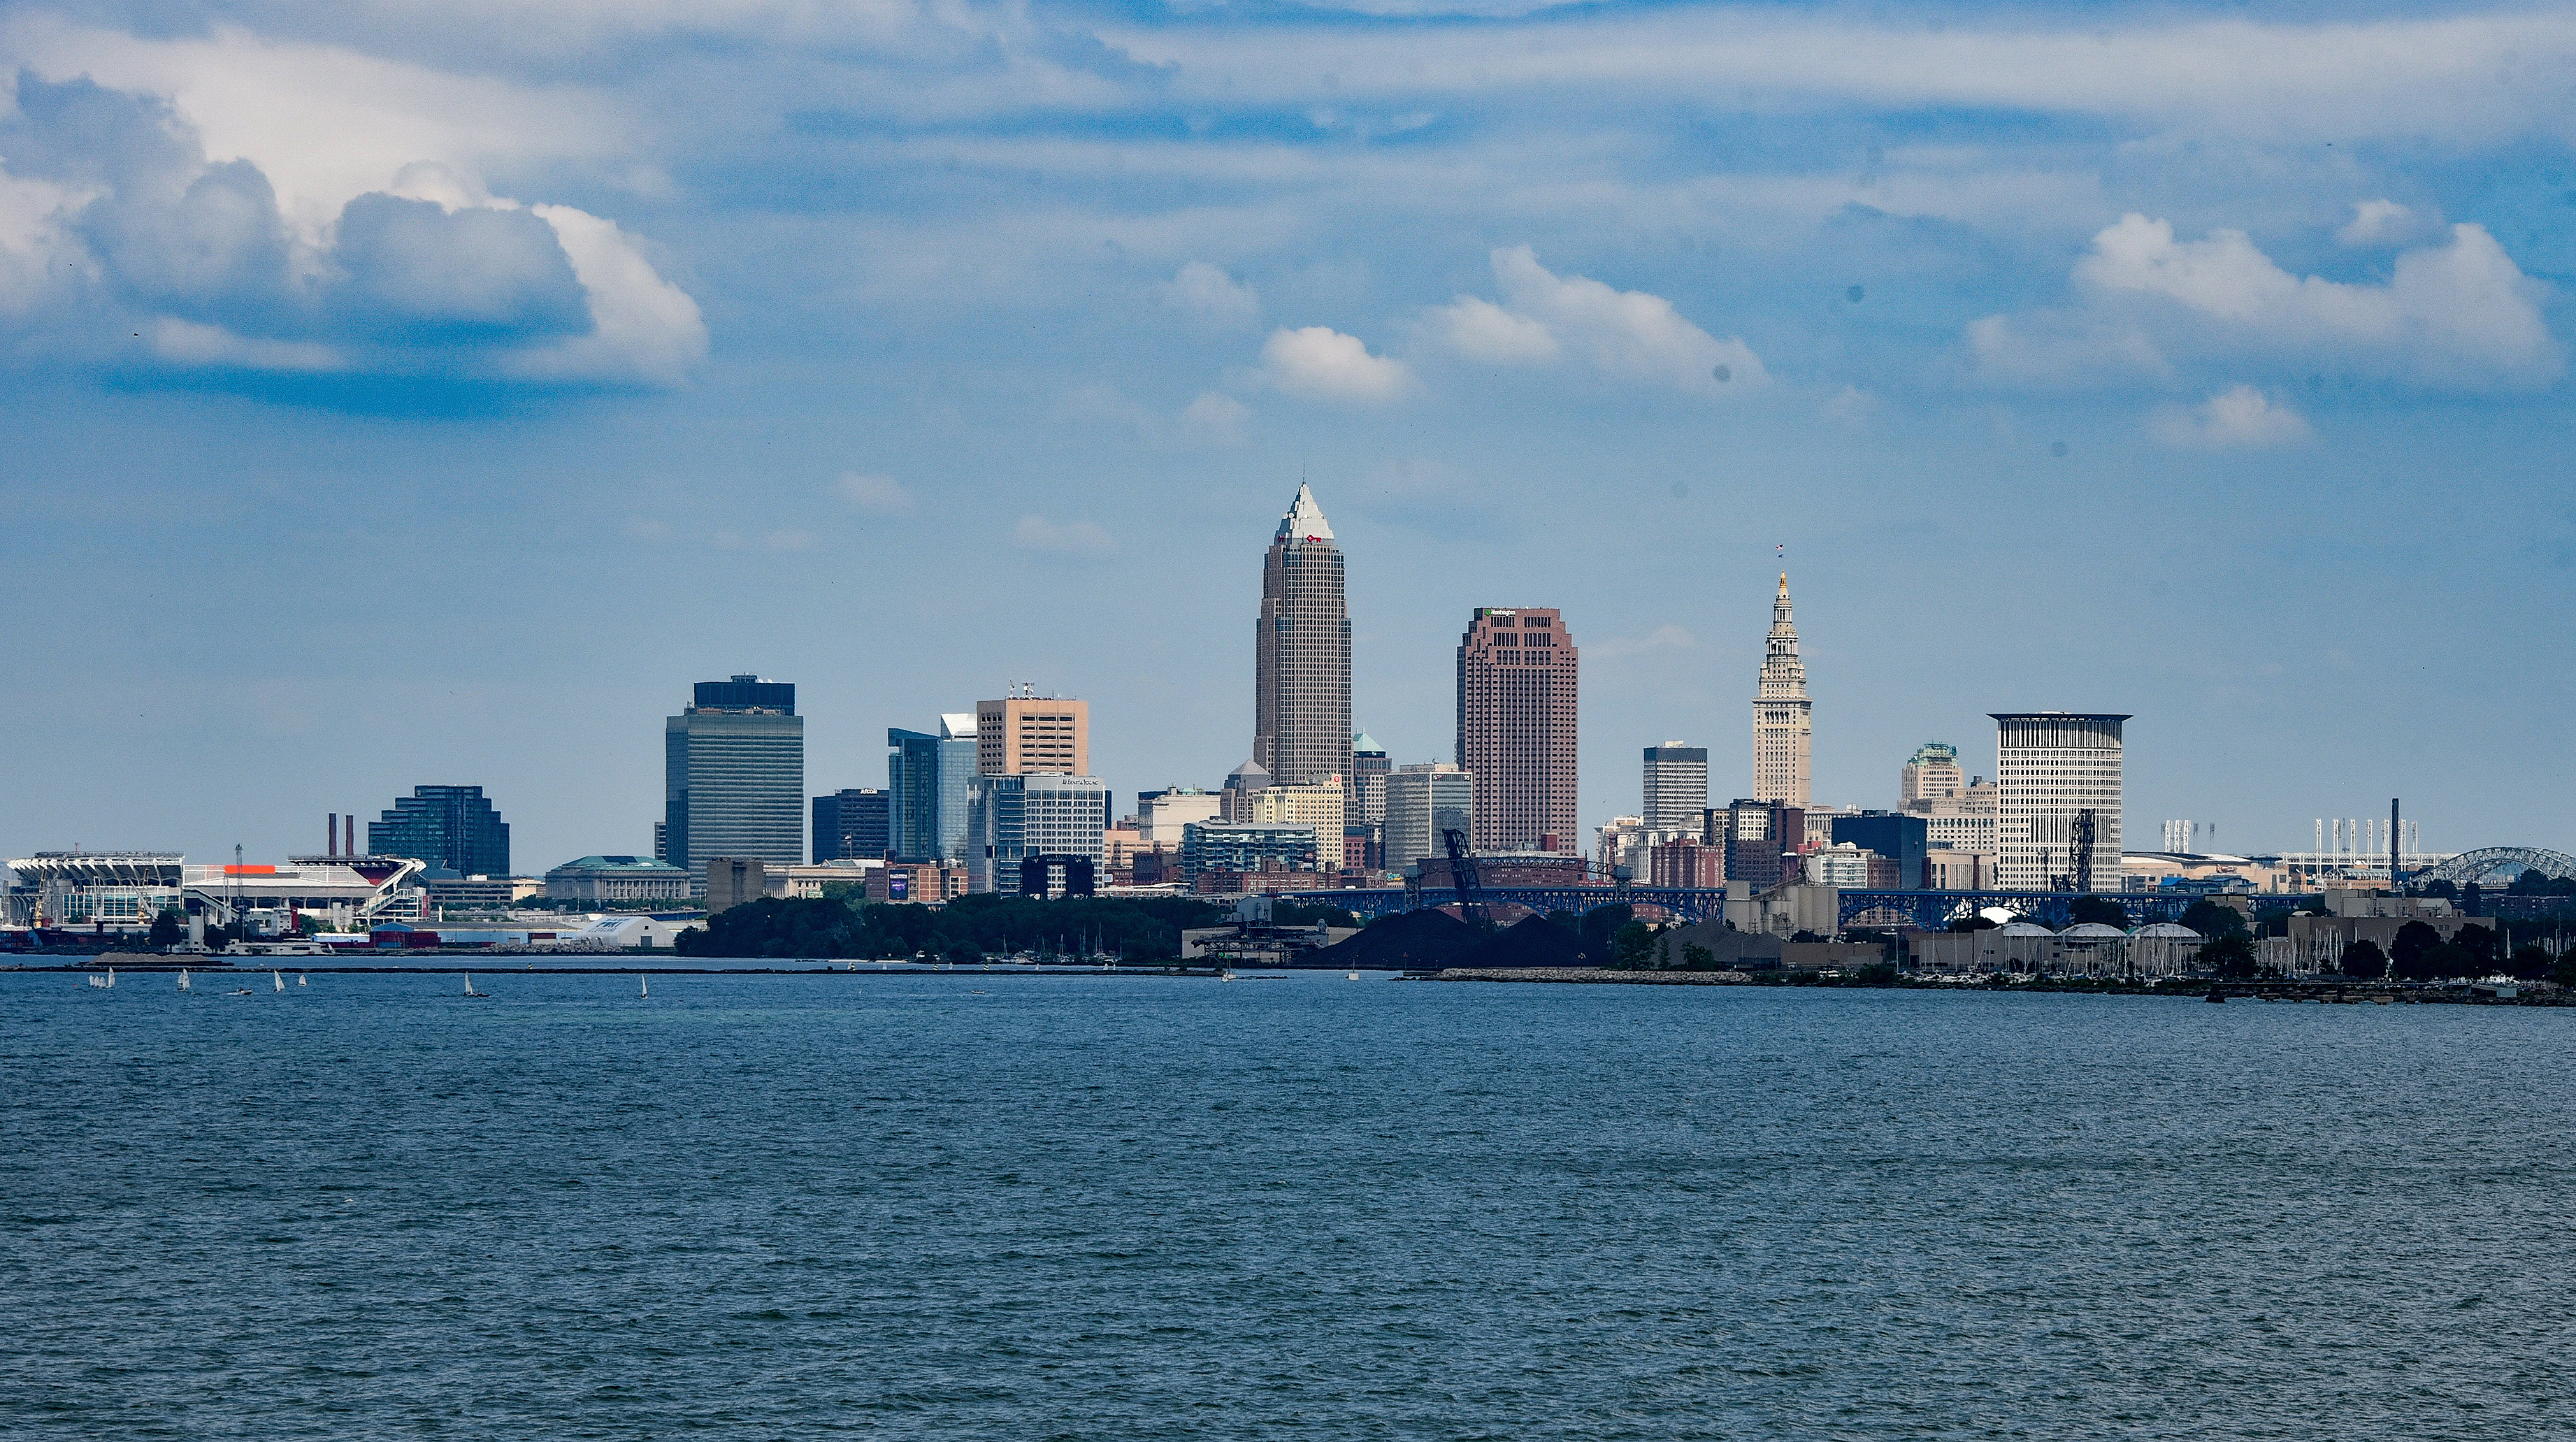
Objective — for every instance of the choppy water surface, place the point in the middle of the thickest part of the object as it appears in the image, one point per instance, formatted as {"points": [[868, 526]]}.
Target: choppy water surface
{"points": [[1121, 1207]]}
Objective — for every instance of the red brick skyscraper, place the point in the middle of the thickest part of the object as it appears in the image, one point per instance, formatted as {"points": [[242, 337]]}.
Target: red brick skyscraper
{"points": [[1516, 695]]}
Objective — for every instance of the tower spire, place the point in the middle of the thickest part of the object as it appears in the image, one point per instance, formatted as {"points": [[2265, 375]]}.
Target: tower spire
{"points": [[1783, 717]]}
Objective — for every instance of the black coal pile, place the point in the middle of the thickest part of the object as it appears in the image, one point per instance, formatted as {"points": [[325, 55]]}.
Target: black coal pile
{"points": [[1414, 941], [1535, 942]]}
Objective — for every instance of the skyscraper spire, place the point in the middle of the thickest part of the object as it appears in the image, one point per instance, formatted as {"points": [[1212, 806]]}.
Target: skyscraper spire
{"points": [[1783, 718]]}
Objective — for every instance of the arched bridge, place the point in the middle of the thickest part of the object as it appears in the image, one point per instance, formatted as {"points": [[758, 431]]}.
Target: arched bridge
{"points": [[2468, 866]]}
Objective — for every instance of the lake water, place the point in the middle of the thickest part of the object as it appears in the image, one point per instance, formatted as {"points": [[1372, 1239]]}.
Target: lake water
{"points": [[1113, 1207]]}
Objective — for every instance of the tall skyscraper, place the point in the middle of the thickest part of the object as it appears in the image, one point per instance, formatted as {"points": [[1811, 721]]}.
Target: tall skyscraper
{"points": [[1025, 733], [1015, 817], [446, 826], [1782, 716], [1301, 727], [1516, 719], [734, 775], [2053, 766], [929, 796], [852, 825], [1368, 774], [1676, 787]]}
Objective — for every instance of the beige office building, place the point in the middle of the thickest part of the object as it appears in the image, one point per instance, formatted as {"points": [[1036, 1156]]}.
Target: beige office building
{"points": [[1783, 717], [1024, 733], [2054, 768]]}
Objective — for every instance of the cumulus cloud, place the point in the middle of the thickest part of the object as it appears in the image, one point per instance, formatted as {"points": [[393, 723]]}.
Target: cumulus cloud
{"points": [[1212, 418], [2385, 222], [2239, 417], [1212, 295], [1074, 538], [1323, 363], [1629, 334], [2456, 314], [882, 494], [113, 220]]}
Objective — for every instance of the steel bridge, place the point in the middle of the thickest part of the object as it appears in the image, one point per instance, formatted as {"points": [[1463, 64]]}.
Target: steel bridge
{"points": [[1930, 910], [2469, 866]]}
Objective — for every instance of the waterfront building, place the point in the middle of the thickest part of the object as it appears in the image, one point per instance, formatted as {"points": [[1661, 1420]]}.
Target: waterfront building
{"points": [[449, 828], [1516, 728], [2053, 767], [922, 881], [734, 775], [1302, 651], [1676, 795], [1901, 837], [1931, 774], [617, 878], [1368, 778], [1783, 718], [855, 823], [1040, 814], [1025, 732], [1422, 801], [1251, 846], [929, 788]]}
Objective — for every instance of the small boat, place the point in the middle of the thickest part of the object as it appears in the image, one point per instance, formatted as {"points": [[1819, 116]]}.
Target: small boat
{"points": [[96, 980], [300, 979], [643, 987], [1351, 976], [1225, 976], [276, 981], [469, 987], [183, 978], [240, 991]]}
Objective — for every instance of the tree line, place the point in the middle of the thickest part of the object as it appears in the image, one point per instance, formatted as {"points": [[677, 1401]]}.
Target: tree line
{"points": [[971, 928]]}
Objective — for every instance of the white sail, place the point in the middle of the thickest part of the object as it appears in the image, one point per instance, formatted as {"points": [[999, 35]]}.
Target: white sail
{"points": [[300, 979], [276, 981], [643, 987], [111, 976], [183, 978]]}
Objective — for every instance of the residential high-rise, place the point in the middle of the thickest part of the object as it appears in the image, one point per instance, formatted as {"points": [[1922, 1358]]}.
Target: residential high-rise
{"points": [[1319, 804], [1301, 708], [854, 824], [2052, 767], [1931, 774], [929, 776], [1783, 718], [1368, 776], [1421, 802], [734, 775], [446, 826], [1676, 787], [1025, 732], [1516, 728]]}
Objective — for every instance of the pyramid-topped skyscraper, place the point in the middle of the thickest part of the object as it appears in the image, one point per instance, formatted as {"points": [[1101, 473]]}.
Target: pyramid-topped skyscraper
{"points": [[1301, 728]]}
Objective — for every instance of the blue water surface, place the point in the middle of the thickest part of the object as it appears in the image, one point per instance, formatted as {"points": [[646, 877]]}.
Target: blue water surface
{"points": [[1128, 1206]]}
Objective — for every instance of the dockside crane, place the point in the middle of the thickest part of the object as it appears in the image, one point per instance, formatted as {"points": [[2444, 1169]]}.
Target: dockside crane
{"points": [[1463, 879]]}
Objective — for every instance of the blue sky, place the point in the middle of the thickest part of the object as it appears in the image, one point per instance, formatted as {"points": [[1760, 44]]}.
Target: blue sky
{"points": [[404, 393]]}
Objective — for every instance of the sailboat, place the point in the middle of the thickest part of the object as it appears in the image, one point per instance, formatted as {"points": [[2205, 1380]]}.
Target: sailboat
{"points": [[111, 976], [643, 987], [469, 986], [96, 980], [183, 978], [276, 982], [300, 979]]}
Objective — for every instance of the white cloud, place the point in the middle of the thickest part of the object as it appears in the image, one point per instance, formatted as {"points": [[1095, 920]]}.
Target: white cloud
{"points": [[2458, 314], [1213, 418], [1481, 330], [2239, 417], [644, 329], [1211, 294], [190, 344], [1851, 405], [1625, 333], [2385, 222], [882, 494], [1216, 418], [1037, 533], [1321, 362]]}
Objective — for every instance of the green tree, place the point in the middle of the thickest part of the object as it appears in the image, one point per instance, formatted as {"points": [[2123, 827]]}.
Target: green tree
{"points": [[2443, 888], [2407, 949], [2099, 910], [2485, 948], [1600, 924], [1632, 947], [2564, 972], [169, 928], [1698, 958], [2213, 920], [2231, 957], [2450, 959], [2364, 960], [2532, 962]]}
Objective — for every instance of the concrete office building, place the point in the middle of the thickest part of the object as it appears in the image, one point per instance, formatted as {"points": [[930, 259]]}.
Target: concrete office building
{"points": [[446, 827], [1302, 652], [1676, 787], [1783, 718], [853, 824], [1320, 806], [929, 789], [1516, 728], [734, 775], [735, 881], [1368, 780], [617, 878], [1931, 774], [2052, 766], [1160, 815], [1025, 732], [1013, 818], [1421, 802]]}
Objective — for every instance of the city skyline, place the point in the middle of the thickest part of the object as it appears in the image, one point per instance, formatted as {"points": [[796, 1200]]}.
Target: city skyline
{"points": [[1073, 298]]}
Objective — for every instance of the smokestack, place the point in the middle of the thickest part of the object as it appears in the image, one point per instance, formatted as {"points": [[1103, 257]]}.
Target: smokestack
{"points": [[351, 848], [331, 840], [2396, 882]]}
